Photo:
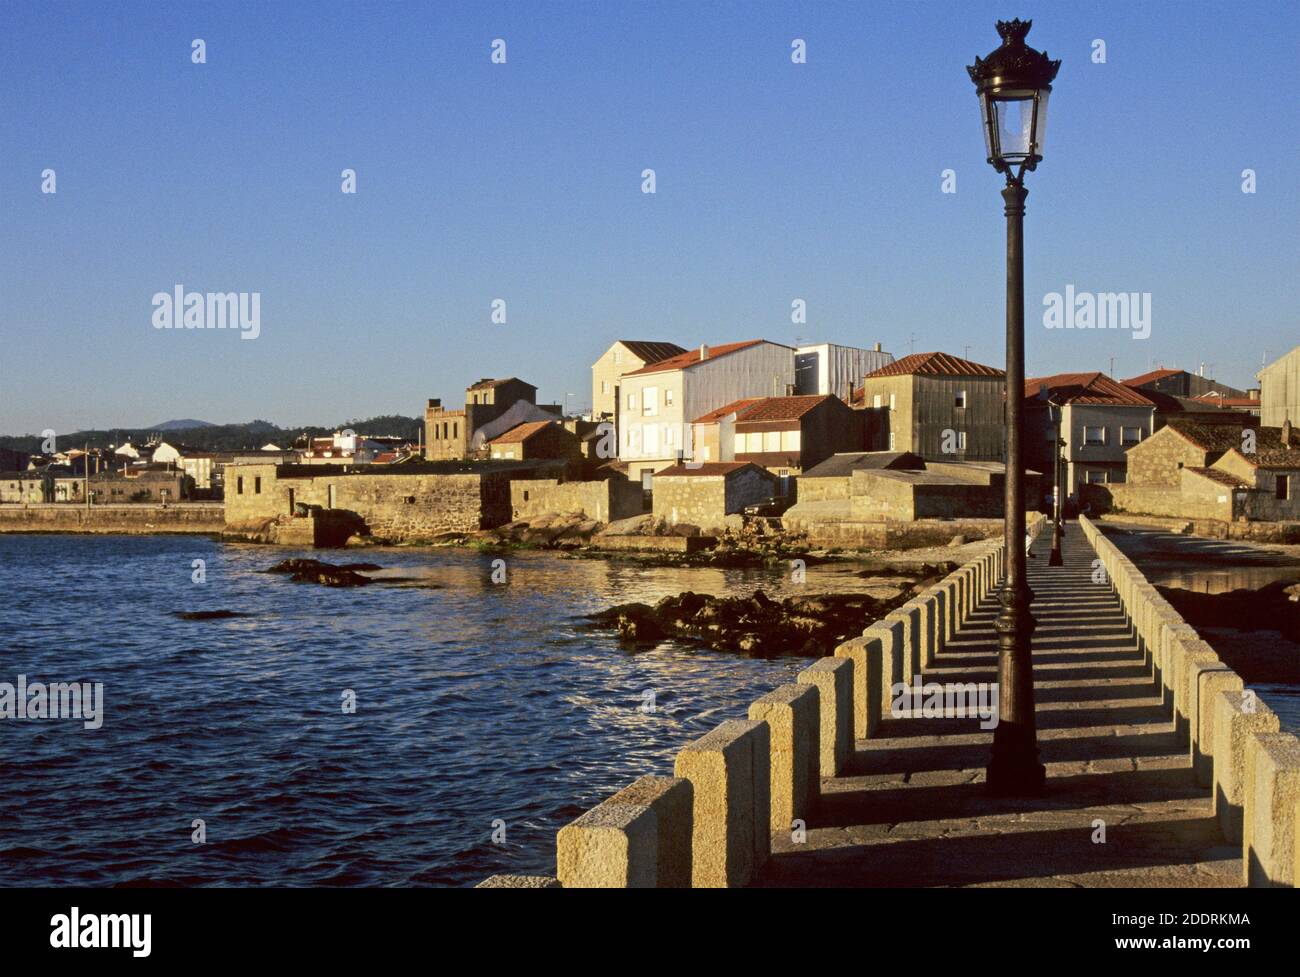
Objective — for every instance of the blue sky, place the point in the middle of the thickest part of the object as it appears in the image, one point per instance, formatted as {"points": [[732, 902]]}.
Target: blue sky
{"points": [[522, 181]]}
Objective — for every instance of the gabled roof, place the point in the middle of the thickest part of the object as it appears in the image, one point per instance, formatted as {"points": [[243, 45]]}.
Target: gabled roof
{"points": [[783, 408], [1219, 475], [649, 351], [765, 408], [935, 365], [1212, 437], [735, 407], [709, 468], [522, 432], [691, 357], [1150, 377], [1085, 388]]}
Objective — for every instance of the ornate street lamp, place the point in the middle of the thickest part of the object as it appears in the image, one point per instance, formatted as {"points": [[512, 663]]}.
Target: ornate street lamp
{"points": [[1013, 84]]}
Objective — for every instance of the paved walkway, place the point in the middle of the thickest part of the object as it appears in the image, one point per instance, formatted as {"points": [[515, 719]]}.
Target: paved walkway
{"points": [[911, 808]]}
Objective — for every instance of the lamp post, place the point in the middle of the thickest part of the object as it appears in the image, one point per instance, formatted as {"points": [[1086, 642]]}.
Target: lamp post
{"points": [[1013, 83]]}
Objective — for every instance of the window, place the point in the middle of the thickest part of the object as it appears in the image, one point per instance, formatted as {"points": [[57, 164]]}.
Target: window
{"points": [[257, 485], [1130, 435], [604, 386], [960, 400], [1096, 477], [892, 402], [771, 440], [650, 402], [239, 485], [961, 440], [891, 440], [1094, 436], [668, 434], [790, 440], [631, 401], [875, 400], [668, 398], [1282, 488]]}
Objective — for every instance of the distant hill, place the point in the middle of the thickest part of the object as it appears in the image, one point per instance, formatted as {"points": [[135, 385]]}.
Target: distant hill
{"points": [[220, 437], [184, 424]]}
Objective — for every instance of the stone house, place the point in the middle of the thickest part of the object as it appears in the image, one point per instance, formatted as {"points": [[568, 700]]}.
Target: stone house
{"points": [[938, 406], [703, 494], [140, 484], [624, 356], [451, 434], [660, 400], [536, 439], [1100, 421], [1224, 472]]}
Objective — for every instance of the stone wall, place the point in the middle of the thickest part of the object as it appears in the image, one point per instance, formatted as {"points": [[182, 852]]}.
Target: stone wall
{"points": [[704, 500], [604, 501], [400, 507], [127, 519]]}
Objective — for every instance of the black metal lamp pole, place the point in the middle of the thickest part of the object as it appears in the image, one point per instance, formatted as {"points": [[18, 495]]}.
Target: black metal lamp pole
{"points": [[1013, 84]]}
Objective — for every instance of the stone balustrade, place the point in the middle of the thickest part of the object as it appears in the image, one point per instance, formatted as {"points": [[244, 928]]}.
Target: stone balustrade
{"points": [[1234, 744], [712, 823]]}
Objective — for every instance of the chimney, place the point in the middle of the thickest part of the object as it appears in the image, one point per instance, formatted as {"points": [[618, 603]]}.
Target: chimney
{"points": [[1286, 433], [434, 403], [877, 347], [704, 351]]}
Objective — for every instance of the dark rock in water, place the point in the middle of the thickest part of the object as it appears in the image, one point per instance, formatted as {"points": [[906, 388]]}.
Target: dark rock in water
{"points": [[209, 615], [296, 565], [756, 625], [326, 574]]}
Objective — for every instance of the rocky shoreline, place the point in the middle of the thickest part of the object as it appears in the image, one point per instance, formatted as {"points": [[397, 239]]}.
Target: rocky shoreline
{"points": [[757, 625]]}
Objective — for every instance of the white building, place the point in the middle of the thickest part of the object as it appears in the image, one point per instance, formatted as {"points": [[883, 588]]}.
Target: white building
{"points": [[658, 401], [1279, 390], [825, 368]]}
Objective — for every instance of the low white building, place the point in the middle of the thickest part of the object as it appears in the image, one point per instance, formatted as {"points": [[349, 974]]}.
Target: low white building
{"points": [[659, 401]]}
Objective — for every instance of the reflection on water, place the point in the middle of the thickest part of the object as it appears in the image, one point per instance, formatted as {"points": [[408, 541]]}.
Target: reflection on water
{"points": [[1221, 580], [475, 702]]}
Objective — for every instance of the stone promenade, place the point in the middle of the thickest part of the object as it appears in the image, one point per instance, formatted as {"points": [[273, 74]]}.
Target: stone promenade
{"points": [[910, 807]]}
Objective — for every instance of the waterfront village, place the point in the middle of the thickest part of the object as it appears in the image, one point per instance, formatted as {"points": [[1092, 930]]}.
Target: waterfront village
{"points": [[839, 446]]}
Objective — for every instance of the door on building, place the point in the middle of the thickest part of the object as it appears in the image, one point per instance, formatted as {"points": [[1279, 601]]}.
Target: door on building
{"points": [[331, 497], [291, 501]]}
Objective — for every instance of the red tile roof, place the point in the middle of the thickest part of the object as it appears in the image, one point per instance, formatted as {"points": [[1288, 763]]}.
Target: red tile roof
{"points": [[1085, 388], [735, 407], [522, 432], [707, 468], [690, 358], [1220, 476], [783, 408], [1149, 377], [765, 408], [1212, 398], [936, 365]]}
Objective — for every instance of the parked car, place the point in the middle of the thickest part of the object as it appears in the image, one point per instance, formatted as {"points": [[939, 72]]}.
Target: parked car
{"points": [[773, 505]]}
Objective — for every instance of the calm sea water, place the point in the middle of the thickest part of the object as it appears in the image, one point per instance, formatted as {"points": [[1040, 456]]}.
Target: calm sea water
{"points": [[476, 703]]}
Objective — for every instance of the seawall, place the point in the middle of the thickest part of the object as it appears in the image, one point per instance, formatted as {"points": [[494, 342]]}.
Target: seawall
{"points": [[126, 519]]}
